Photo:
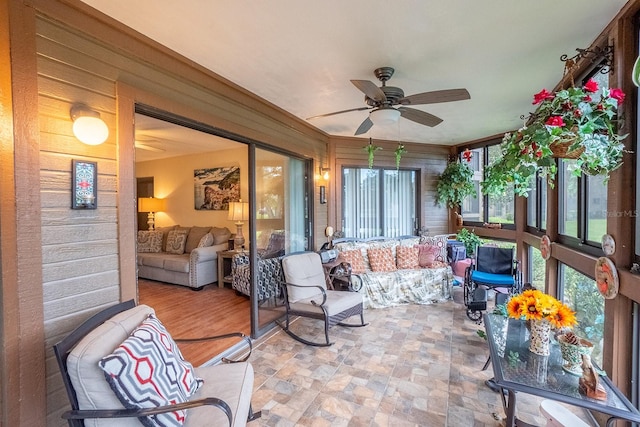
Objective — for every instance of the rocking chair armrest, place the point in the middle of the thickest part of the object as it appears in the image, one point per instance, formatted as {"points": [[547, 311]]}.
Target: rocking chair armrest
{"points": [[142, 412], [218, 337], [322, 291]]}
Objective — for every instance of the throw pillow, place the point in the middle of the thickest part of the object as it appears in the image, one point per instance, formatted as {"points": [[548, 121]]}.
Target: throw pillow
{"points": [[407, 257], [427, 255], [220, 235], [176, 240], [165, 232], [193, 239], [149, 241], [381, 259], [353, 257], [207, 240], [148, 370]]}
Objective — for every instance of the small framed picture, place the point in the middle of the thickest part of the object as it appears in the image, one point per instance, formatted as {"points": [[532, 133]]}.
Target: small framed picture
{"points": [[84, 185]]}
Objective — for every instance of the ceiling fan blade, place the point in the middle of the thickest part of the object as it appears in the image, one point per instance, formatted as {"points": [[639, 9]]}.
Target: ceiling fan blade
{"points": [[435, 97], [338, 112], [419, 116], [364, 126], [370, 89]]}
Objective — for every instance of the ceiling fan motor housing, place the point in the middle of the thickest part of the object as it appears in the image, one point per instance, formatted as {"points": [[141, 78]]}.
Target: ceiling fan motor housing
{"points": [[392, 93]]}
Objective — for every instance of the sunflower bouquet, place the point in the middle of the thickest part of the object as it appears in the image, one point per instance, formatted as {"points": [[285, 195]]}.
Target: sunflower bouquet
{"points": [[536, 305]]}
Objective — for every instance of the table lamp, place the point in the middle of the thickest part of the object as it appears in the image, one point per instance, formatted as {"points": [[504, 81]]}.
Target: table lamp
{"points": [[151, 205], [238, 212]]}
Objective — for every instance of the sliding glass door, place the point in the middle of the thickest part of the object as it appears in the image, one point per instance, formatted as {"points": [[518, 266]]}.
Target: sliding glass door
{"points": [[281, 223]]}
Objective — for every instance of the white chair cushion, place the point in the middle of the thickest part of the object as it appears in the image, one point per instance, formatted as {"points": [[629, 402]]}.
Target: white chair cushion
{"points": [[88, 379], [337, 302], [303, 269]]}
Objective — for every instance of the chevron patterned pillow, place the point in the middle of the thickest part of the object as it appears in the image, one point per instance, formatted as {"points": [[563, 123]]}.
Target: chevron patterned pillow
{"points": [[148, 370]]}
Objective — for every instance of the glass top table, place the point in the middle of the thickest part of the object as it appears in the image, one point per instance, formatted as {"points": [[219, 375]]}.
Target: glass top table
{"points": [[516, 369]]}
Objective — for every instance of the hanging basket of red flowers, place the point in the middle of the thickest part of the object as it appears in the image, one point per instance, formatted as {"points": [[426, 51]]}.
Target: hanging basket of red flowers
{"points": [[575, 123]]}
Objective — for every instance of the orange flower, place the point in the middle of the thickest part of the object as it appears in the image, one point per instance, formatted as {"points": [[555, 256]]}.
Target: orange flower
{"points": [[535, 305], [564, 317]]}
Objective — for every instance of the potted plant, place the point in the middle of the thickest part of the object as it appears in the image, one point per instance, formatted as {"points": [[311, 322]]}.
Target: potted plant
{"points": [[575, 123], [455, 183], [470, 240]]}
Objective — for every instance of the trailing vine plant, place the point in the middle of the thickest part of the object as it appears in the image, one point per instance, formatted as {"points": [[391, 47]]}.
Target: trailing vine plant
{"points": [[455, 183], [398, 153], [371, 149]]}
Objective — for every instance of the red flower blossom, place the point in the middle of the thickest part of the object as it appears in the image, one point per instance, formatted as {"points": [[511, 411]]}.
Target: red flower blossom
{"points": [[539, 153], [577, 112], [600, 107], [586, 98], [554, 121], [618, 95], [591, 86], [466, 155], [541, 96]]}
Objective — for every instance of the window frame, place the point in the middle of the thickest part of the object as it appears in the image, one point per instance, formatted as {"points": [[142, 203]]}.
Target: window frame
{"points": [[485, 197]]}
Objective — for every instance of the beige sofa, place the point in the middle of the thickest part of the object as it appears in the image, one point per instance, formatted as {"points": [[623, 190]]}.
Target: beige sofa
{"points": [[380, 270], [186, 256]]}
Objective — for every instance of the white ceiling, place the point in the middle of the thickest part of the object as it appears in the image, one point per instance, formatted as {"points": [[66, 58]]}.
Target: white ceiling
{"points": [[301, 54]]}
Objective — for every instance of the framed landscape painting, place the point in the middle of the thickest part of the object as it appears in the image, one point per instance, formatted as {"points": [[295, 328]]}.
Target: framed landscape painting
{"points": [[214, 188]]}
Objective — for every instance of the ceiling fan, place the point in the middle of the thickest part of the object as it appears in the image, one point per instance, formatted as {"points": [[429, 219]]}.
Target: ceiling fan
{"points": [[382, 101]]}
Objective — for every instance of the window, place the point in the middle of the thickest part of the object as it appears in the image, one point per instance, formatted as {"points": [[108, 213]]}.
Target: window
{"points": [[581, 294], [379, 202], [493, 209], [536, 268], [582, 204], [537, 206]]}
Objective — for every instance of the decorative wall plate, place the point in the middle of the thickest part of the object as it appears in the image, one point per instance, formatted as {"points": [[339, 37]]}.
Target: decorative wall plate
{"points": [[607, 278], [545, 247], [608, 244]]}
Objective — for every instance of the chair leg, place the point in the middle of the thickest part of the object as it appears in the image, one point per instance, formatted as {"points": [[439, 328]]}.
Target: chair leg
{"points": [[253, 415]]}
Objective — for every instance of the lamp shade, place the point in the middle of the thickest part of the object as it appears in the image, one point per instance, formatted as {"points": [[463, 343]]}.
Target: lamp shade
{"points": [[150, 204], [238, 211], [384, 116]]}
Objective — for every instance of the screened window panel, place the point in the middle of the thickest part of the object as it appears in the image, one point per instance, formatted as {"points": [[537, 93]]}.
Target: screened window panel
{"points": [[379, 202]]}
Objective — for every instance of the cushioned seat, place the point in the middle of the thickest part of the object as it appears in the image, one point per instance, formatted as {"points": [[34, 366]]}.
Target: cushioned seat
{"points": [[490, 279], [306, 295], [87, 358]]}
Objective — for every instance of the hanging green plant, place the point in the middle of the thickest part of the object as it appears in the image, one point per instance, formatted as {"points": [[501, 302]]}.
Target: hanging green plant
{"points": [[455, 184], [371, 149], [398, 153]]}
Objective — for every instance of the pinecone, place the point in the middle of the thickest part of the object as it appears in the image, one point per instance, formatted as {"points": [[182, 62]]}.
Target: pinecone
{"points": [[571, 338]]}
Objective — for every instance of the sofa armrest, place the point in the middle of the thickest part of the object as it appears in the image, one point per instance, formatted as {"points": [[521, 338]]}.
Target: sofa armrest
{"points": [[207, 253]]}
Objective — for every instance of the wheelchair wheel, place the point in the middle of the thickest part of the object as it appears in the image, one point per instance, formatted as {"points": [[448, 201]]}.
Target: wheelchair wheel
{"points": [[474, 315]]}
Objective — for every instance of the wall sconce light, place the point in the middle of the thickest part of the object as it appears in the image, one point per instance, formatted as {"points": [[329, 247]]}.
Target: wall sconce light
{"points": [[151, 205], [88, 127], [323, 195], [239, 212], [324, 173]]}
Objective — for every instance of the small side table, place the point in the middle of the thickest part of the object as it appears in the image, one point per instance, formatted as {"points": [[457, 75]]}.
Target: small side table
{"points": [[337, 275], [224, 267]]}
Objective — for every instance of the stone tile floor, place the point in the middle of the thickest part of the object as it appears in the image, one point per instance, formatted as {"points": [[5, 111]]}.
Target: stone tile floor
{"points": [[413, 365]]}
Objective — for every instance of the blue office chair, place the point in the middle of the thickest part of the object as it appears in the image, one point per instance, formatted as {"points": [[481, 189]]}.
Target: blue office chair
{"points": [[494, 268]]}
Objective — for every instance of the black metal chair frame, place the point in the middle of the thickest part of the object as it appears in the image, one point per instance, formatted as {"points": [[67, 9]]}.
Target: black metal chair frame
{"points": [[476, 306], [76, 416], [329, 321]]}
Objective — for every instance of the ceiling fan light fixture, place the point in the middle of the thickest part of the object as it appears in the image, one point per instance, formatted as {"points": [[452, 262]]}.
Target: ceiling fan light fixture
{"points": [[384, 116]]}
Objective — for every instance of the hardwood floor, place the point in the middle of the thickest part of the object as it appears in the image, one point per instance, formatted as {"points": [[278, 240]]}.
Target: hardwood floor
{"points": [[190, 314]]}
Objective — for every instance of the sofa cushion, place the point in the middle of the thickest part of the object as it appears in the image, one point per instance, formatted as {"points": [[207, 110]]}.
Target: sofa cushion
{"points": [[354, 257], [177, 263], [427, 255], [176, 240], [148, 370], [149, 241], [194, 237], [381, 259], [407, 257], [165, 232], [220, 235], [206, 241]]}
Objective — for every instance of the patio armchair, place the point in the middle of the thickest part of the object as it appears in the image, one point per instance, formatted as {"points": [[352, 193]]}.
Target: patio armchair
{"points": [[122, 368], [306, 295]]}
